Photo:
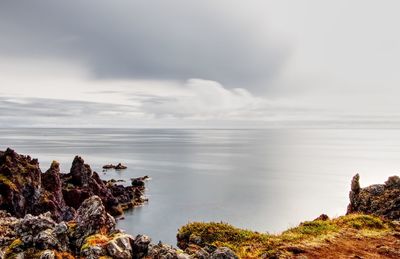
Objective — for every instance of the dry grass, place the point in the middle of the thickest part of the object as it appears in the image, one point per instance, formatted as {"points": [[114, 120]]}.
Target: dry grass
{"points": [[308, 235]]}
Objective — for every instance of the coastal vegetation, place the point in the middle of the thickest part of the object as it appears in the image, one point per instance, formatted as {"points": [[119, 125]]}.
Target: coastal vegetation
{"points": [[310, 238]]}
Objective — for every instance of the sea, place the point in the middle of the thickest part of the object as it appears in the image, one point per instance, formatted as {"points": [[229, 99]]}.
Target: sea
{"points": [[265, 180]]}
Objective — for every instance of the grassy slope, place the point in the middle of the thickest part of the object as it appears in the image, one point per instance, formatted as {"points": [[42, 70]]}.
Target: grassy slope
{"points": [[309, 238]]}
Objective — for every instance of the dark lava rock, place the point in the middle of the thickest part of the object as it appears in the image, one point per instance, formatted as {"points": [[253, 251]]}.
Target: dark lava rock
{"points": [[81, 183], [51, 182], [139, 181], [110, 166], [24, 189], [120, 167], [378, 199]]}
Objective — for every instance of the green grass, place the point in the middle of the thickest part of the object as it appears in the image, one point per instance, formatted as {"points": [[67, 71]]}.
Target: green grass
{"points": [[360, 221], [250, 244], [309, 230]]}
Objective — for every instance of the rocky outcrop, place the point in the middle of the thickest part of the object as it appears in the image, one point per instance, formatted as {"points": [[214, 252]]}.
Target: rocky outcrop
{"points": [[92, 218], [378, 199], [81, 183], [91, 234], [139, 181], [24, 189], [55, 215], [21, 190], [119, 166]]}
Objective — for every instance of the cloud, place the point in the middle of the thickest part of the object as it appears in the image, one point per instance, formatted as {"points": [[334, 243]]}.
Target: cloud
{"points": [[196, 103], [194, 100], [204, 99], [165, 40], [129, 63]]}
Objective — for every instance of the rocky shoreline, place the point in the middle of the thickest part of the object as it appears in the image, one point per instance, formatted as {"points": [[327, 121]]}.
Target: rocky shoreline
{"points": [[24, 189], [56, 215]]}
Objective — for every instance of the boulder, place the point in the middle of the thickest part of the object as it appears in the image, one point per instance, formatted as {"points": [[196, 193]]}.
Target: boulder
{"points": [[120, 246], [42, 232], [223, 253], [140, 246], [165, 251], [92, 218]]}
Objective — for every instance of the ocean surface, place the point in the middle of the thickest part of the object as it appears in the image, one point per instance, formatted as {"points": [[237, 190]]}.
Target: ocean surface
{"points": [[264, 180]]}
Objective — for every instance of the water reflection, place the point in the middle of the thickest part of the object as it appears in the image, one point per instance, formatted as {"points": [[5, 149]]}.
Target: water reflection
{"points": [[264, 180]]}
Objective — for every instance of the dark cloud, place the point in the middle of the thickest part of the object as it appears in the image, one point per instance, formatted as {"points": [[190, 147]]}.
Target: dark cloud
{"points": [[144, 39]]}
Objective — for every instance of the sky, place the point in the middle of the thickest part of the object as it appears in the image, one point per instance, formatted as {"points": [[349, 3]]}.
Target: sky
{"points": [[200, 64]]}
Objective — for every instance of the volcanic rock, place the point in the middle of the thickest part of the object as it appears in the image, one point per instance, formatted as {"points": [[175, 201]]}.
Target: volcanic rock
{"points": [[378, 199], [24, 189]]}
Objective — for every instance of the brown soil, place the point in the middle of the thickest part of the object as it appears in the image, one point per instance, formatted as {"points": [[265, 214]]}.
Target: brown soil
{"points": [[349, 246]]}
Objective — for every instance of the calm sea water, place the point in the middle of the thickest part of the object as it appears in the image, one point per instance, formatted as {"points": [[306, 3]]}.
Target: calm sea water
{"points": [[265, 180]]}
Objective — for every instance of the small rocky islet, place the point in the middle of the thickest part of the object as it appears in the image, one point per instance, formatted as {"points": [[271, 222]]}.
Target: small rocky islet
{"points": [[119, 166], [73, 215]]}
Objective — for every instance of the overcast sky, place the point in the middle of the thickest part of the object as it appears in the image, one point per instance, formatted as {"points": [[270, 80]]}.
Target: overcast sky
{"points": [[209, 63]]}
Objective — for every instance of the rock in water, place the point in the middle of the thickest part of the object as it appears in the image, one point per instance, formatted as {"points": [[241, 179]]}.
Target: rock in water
{"points": [[120, 167], [24, 189], [378, 199], [109, 166], [81, 183]]}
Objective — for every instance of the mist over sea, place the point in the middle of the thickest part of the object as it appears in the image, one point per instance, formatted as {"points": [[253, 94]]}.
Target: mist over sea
{"points": [[264, 180]]}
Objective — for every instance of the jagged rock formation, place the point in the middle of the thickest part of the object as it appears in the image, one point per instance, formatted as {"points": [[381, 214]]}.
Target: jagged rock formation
{"points": [[378, 199], [81, 183], [24, 189], [21, 189], [91, 234], [54, 215]]}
